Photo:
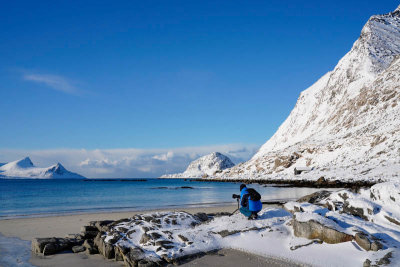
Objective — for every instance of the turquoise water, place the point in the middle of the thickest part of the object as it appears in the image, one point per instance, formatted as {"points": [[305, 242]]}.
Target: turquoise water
{"points": [[33, 197]]}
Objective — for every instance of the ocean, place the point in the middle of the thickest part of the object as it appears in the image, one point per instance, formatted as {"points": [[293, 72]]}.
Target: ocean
{"points": [[35, 197]]}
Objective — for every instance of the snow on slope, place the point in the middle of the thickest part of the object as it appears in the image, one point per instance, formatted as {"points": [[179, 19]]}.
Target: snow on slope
{"points": [[207, 165], [347, 124], [24, 168]]}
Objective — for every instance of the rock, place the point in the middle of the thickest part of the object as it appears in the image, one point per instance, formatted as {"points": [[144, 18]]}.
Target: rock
{"points": [[132, 257], [145, 263], [359, 212], [155, 235], [375, 246], [97, 239], [49, 249], [77, 249], [201, 216], [90, 247], [49, 246], [315, 197], [89, 231], [386, 259], [365, 242], [225, 233], [120, 252], [108, 250], [367, 263], [183, 238], [392, 220], [163, 243], [145, 238], [102, 226], [315, 230]]}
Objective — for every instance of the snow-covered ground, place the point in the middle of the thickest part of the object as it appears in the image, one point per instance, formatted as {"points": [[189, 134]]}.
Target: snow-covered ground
{"points": [[24, 168], [172, 235], [347, 124], [205, 166]]}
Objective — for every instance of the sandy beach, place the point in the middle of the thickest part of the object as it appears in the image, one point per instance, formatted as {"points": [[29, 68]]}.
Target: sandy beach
{"points": [[60, 226]]}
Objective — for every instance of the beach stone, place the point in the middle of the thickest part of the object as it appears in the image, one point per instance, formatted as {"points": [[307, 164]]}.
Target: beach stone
{"points": [[363, 241], [392, 220], [358, 212], [90, 247], [155, 235], [386, 259], [77, 249], [53, 245], [89, 231], [183, 238], [102, 226], [315, 197], [97, 239], [375, 246], [314, 230], [162, 243], [134, 255], [145, 263], [201, 216], [367, 263], [144, 239], [49, 249]]}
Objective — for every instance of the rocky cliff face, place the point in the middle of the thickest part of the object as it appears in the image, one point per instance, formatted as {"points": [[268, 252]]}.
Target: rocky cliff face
{"points": [[208, 165], [24, 168], [347, 124]]}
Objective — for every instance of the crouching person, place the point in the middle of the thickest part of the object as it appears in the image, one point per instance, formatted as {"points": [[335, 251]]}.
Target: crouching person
{"points": [[250, 202]]}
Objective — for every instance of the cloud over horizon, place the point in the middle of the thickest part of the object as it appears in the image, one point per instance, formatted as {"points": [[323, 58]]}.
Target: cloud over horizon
{"points": [[129, 162], [55, 82]]}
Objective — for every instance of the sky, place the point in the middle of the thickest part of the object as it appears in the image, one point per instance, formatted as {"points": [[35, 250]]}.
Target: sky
{"points": [[140, 79]]}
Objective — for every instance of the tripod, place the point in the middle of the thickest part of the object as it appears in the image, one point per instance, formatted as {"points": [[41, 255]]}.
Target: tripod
{"points": [[237, 199]]}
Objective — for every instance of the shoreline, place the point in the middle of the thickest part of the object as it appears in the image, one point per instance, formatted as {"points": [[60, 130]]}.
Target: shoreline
{"points": [[125, 210], [61, 225], [320, 183], [26, 229]]}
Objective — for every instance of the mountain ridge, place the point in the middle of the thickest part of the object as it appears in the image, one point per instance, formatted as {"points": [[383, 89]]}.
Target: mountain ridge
{"points": [[340, 121], [24, 168]]}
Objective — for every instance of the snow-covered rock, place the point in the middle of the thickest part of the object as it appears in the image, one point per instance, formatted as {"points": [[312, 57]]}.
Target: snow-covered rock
{"points": [[205, 166], [24, 168], [347, 124]]}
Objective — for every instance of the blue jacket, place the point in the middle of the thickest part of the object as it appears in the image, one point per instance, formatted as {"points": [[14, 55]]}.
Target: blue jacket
{"points": [[246, 202]]}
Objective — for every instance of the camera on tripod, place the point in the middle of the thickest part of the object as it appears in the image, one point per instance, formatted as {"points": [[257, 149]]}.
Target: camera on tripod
{"points": [[235, 196]]}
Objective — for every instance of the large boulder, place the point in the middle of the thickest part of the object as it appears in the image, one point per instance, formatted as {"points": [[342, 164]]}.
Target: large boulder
{"points": [[320, 228], [53, 245]]}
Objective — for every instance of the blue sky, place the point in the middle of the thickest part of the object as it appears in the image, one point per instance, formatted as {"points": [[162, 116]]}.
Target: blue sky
{"points": [[163, 74]]}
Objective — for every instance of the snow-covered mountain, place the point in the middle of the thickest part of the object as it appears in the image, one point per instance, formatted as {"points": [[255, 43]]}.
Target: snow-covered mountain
{"points": [[24, 168], [205, 166], [346, 125]]}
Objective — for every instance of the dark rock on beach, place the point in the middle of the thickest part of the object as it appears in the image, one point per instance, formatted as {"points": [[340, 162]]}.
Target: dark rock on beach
{"points": [[49, 246], [314, 230]]}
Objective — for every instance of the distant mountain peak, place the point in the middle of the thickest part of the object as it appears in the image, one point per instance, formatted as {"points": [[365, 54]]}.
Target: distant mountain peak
{"points": [[24, 163], [207, 165], [24, 168]]}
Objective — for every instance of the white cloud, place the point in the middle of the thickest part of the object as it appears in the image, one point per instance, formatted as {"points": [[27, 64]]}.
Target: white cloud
{"points": [[55, 82], [129, 162]]}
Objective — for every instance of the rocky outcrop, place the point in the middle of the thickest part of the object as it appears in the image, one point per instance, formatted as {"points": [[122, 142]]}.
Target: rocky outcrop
{"points": [[53, 245], [346, 124], [312, 229]]}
